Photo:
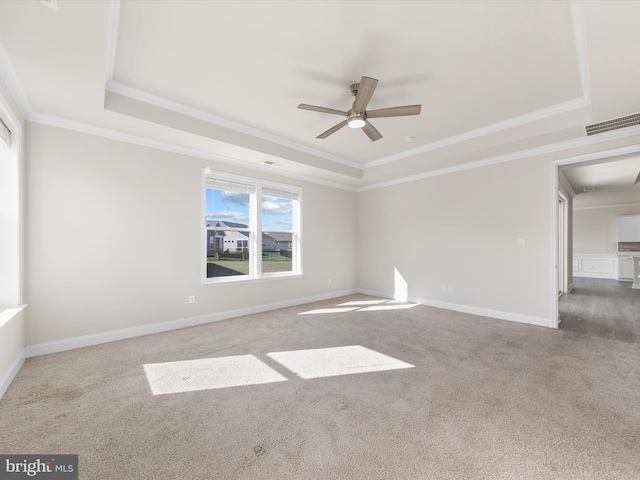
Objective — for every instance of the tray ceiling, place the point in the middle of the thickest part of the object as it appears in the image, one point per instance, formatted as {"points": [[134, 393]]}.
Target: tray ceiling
{"points": [[224, 78]]}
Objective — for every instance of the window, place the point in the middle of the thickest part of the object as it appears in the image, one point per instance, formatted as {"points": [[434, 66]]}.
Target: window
{"points": [[10, 212], [251, 229]]}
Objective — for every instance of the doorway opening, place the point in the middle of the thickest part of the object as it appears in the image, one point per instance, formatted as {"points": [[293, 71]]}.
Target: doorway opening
{"points": [[562, 220]]}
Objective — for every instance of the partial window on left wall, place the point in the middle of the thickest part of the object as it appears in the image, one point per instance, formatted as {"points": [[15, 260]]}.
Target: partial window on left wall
{"points": [[246, 223]]}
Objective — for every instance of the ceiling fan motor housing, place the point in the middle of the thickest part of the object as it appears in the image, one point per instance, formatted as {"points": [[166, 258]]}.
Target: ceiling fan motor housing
{"points": [[356, 119]]}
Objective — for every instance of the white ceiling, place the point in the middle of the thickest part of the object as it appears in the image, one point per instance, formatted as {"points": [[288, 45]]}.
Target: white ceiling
{"points": [[223, 78], [605, 183], [622, 173]]}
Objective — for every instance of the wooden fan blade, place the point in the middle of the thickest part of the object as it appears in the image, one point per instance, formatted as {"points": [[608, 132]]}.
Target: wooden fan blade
{"points": [[365, 91], [313, 108], [371, 132], [395, 111], [333, 129]]}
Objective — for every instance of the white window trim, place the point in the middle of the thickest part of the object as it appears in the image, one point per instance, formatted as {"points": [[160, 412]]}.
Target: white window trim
{"points": [[255, 227], [12, 204]]}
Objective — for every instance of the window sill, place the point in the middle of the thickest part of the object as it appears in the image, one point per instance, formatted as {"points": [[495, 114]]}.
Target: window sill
{"points": [[7, 314], [236, 281]]}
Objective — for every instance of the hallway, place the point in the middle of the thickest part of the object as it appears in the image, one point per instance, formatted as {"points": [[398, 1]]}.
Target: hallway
{"points": [[602, 308]]}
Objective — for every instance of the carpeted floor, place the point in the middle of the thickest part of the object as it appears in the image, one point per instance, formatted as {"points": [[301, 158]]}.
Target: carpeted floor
{"points": [[464, 397]]}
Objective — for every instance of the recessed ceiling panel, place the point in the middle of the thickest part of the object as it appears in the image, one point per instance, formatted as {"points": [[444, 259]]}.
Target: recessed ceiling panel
{"points": [[470, 64]]}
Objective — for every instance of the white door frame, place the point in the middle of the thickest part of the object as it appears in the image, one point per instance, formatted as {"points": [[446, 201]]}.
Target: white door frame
{"points": [[589, 158], [563, 236]]}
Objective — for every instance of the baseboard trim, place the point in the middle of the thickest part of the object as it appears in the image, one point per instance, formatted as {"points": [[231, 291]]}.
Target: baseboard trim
{"points": [[12, 372], [486, 312], [373, 293], [47, 348], [603, 276], [483, 312], [125, 333]]}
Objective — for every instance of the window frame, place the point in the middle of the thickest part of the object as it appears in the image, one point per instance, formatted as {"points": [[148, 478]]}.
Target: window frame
{"points": [[255, 229]]}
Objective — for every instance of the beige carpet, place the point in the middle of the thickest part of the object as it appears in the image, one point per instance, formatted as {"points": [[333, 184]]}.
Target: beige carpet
{"points": [[454, 397]]}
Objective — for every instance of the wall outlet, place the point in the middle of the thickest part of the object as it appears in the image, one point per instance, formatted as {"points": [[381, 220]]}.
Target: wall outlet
{"points": [[521, 242], [450, 288], [444, 287], [192, 299], [329, 281]]}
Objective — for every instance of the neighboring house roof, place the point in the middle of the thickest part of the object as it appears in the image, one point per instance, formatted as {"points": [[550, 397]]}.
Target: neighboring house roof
{"points": [[273, 236], [280, 236], [220, 224], [231, 234], [236, 235], [232, 225]]}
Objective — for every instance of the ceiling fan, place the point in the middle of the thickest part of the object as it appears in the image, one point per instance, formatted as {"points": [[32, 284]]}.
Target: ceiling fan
{"points": [[357, 115]]}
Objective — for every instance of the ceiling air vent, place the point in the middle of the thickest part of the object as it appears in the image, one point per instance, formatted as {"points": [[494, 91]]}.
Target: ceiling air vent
{"points": [[615, 124]]}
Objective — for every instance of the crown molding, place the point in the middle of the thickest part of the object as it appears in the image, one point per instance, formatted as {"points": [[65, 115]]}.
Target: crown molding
{"points": [[544, 149], [55, 121], [112, 38], [613, 205], [580, 39], [161, 102], [597, 157], [579, 34], [8, 74], [486, 130], [114, 86], [60, 122]]}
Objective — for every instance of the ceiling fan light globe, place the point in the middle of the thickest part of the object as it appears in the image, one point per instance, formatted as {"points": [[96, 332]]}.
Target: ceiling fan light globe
{"points": [[356, 122]]}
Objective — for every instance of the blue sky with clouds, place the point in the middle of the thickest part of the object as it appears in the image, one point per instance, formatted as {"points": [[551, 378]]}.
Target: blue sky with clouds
{"points": [[277, 213]]}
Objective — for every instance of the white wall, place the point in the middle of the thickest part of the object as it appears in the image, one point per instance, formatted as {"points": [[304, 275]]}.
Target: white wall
{"points": [[595, 229], [114, 238], [462, 229]]}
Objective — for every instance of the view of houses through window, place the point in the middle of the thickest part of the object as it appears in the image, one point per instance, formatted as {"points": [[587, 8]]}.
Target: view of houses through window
{"points": [[251, 228]]}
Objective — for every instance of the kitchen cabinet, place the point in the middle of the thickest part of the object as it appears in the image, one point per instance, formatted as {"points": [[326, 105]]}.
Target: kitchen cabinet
{"points": [[628, 228], [625, 269]]}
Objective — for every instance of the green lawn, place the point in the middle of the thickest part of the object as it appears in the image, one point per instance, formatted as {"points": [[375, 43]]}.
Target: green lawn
{"points": [[272, 262]]}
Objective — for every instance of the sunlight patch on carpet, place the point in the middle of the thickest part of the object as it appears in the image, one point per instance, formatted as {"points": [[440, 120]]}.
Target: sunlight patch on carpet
{"points": [[361, 303], [330, 362], [329, 310], [208, 374], [389, 306], [363, 306]]}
